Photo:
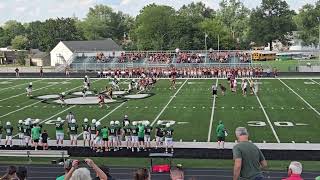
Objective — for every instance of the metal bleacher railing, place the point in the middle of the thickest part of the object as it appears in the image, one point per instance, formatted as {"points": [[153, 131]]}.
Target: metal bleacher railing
{"points": [[78, 63]]}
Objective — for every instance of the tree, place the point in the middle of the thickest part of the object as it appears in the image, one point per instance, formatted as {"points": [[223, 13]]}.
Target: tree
{"points": [[153, 27], [21, 57], [273, 20], [235, 17], [19, 42], [308, 23]]}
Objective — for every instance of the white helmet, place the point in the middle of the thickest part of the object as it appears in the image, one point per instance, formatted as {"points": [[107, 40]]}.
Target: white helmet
{"points": [[94, 121], [86, 76], [59, 119], [125, 116], [20, 121], [29, 119], [159, 122], [37, 120], [112, 123], [73, 121], [126, 123], [146, 123], [30, 83], [85, 120], [117, 122], [98, 123], [8, 123], [168, 125], [134, 123], [26, 123], [63, 93]]}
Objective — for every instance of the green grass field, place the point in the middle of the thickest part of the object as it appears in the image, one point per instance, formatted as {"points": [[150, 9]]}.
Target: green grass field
{"points": [[294, 116]]}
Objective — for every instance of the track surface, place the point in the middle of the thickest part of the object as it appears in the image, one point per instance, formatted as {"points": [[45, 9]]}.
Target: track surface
{"points": [[48, 172]]}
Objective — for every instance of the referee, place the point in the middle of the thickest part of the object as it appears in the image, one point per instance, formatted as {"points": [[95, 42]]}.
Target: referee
{"points": [[214, 90]]}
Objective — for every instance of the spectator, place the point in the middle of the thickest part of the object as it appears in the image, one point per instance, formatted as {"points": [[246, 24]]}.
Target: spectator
{"points": [[44, 140], [221, 134], [82, 173], [17, 72], [248, 159], [294, 171], [22, 173], [106, 170], [11, 174], [318, 178], [142, 174], [41, 71], [68, 164], [177, 173]]}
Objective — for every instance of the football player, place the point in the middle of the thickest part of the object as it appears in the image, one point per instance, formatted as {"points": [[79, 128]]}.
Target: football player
{"points": [[61, 98], [35, 135], [101, 100], [105, 134], [127, 134], [87, 81], [20, 130], [223, 89], [73, 132], [115, 83], [168, 137], [29, 89], [140, 135], [98, 139], [118, 134], [125, 119], [147, 135], [9, 130], [173, 82], [159, 134], [93, 131], [214, 90], [251, 85], [86, 133], [131, 85], [134, 135], [112, 136], [244, 85], [27, 131], [59, 131], [109, 92]]}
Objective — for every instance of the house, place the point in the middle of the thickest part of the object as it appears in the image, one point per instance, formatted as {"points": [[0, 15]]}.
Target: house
{"points": [[66, 51]]}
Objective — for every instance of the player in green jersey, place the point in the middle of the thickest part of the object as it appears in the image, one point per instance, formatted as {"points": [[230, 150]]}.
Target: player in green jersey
{"points": [[20, 130], [134, 135], [35, 136], [9, 130], [168, 137], [147, 135], [221, 132], [86, 133], [112, 136], [127, 134], [105, 134], [140, 136], [73, 131], [59, 131]]}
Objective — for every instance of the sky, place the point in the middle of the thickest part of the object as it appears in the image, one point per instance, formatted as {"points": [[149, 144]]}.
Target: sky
{"points": [[30, 10]]}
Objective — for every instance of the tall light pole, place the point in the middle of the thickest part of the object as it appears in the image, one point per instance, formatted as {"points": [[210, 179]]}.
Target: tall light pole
{"points": [[205, 45], [318, 18]]}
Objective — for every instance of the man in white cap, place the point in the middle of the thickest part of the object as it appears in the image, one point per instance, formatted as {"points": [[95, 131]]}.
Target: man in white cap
{"points": [[29, 89], [294, 171], [248, 159]]}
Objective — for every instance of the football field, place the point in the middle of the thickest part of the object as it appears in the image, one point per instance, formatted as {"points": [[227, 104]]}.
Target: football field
{"points": [[284, 110]]}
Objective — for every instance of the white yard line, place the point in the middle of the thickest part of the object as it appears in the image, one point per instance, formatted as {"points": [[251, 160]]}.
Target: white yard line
{"points": [[268, 119], [25, 92], [212, 114], [300, 97], [165, 107], [315, 81], [19, 109], [113, 110], [2, 89]]}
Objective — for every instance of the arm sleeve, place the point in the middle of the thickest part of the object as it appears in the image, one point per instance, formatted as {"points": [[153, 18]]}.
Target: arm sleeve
{"points": [[236, 153], [261, 156]]}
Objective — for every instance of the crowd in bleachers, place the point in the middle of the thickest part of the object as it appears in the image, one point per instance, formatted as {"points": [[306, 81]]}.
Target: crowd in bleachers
{"points": [[184, 57], [202, 72], [131, 57], [160, 58], [244, 57], [101, 58], [221, 57]]}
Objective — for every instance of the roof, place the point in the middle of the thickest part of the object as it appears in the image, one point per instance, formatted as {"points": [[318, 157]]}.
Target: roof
{"points": [[97, 45], [288, 53], [40, 55]]}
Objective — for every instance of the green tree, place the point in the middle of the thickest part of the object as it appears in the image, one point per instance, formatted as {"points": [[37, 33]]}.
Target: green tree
{"points": [[273, 20], [21, 57], [235, 17], [153, 27], [19, 42], [308, 23]]}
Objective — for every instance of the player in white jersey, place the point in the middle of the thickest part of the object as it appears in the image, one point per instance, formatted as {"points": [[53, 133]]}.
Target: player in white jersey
{"points": [[115, 83], [29, 89], [244, 85]]}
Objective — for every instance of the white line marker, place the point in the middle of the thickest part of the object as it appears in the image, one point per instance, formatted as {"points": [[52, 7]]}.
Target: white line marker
{"points": [[19, 85], [267, 117], [212, 114], [300, 97], [19, 109], [307, 142], [293, 142], [315, 82], [164, 108]]}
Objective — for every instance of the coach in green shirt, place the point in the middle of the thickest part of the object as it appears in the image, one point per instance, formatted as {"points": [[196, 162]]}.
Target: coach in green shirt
{"points": [[248, 159], [220, 131]]}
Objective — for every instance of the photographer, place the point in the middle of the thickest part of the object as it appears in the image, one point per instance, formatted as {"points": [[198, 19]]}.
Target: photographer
{"points": [[82, 173]]}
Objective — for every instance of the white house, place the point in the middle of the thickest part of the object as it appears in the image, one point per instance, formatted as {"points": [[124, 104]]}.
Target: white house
{"points": [[66, 51]]}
